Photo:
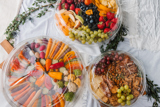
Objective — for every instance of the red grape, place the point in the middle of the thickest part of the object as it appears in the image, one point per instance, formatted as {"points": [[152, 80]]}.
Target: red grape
{"points": [[103, 61], [120, 58], [108, 62], [98, 69], [108, 58], [112, 53], [103, 66], [116, 56], [102, 70]]}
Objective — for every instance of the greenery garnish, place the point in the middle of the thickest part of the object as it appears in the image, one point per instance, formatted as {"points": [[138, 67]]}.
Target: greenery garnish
{"points": [[13, 27], [152, 91], [114, 43]]}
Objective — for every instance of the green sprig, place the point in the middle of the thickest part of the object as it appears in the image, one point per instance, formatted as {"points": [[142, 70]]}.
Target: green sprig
{"points": [[13, 28], [112, 45]]}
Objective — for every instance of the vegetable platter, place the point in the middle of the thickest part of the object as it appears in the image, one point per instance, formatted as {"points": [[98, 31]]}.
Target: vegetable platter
{"points": [[88, 21], [116, 79], [43, 72]]}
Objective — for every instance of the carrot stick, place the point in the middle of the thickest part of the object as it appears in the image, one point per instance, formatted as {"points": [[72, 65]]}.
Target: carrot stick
{"points": [[48, 64], [59, 51], [48, 47], [65, 47], [19, 81], [15, 86], [39, 66], [47, 102], [29, 99], [40, 80], [54, 49], [20, 91], [62, 102], [35, 97], [21, 94], [56, 101], [12, 79], [35, 103], [53, 44]]}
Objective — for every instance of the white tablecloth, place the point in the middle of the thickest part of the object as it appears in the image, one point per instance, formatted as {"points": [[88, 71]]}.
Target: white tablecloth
{"points": [[45, 26]]}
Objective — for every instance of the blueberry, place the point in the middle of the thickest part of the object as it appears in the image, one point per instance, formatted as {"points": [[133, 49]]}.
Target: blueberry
{"points": [[86, 19], [83, 8], [91, 21], [90, 16], [82, 4], [87, 8]]}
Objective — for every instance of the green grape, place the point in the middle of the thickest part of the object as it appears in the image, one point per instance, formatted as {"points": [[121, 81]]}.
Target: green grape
{"points": [[126, 87], [131, 96], [70, 32], [118, 95], [89, 42], [95, 40], [83, 41], [99, 30], [120, 100], [71, 36], [87, 26], [122, 88], [73, 39], [91, 39], [102, 36], [119, 91], [87, 34], [76, 34], [99, 34], [106, 36], [83, 26], [92, 35], [99, 40], [83, 37], [123, 97], [91, 32], [88, 37], [95, 32], [128, 102], [129, 90], [128, 98], [88, 30], [123, 104]]}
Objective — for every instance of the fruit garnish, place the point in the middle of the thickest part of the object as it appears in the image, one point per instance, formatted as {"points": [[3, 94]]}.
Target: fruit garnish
{"points": [[123, 93], [89, 12]]}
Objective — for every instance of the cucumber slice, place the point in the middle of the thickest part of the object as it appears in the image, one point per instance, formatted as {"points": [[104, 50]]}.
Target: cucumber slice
{"points": [[32, 79], [43, 61], [45, 91], [62, 69], [54, 61]]}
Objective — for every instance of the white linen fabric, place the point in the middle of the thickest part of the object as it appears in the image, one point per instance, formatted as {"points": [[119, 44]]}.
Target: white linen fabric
{"points": [[45, 26]]}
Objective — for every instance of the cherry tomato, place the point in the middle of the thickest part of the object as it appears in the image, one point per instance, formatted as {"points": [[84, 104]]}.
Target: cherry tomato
{"points": [[87, 2]]}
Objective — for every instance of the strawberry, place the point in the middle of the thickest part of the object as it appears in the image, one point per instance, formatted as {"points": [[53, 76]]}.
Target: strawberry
{"points": [[65, 6], [113, 26], [101, 25], [63, 1], [114, 20], [72, 7], [101, 19], [108, 23], [110, 15], [60, 6], [70, 1], [106, 30], [77, 10]]}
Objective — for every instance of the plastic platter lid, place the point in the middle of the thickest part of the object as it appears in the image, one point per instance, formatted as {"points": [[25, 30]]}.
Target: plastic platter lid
{"points": [[116, 78], [33, 77], [73, 24]]}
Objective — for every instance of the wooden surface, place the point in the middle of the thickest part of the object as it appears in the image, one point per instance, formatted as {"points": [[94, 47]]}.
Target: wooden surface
{"points": [[7, 47]]}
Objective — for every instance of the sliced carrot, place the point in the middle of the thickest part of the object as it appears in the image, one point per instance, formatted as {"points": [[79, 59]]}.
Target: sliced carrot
{"points": [[19, 81], [56, 101], [70, 58], [62, 102], [20, 91], [21, 94], [29, 99], [54, 49], [47, 101], [35, 103], [48, 47], [48, 64], [39, 66], [40, 80], [59, 51]]}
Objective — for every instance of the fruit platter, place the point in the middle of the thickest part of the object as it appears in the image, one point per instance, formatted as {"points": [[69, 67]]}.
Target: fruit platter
{"points": [[43, 72], [116, 79], [88, 21]]}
